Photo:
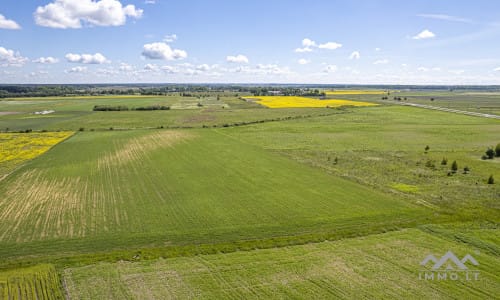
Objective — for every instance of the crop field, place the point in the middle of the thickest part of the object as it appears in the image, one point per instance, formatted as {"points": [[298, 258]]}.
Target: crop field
{"points": [[374, 267], [155, 184], [34, 283], [355, 92], [223, 198], [17, 148], [293, 101]]}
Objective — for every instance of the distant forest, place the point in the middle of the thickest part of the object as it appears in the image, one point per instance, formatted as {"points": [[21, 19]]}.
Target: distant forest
{"points": [[11, 91]]}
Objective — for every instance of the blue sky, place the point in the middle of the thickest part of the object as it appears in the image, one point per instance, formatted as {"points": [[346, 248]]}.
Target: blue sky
{"points": [[363, 42]]}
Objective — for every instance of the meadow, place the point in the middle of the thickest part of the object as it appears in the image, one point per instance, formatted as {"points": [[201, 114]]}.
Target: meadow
{"points": [[220, 197], [372, 267]]}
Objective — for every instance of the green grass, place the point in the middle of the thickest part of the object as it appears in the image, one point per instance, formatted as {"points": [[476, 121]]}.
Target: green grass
{"points": [[373, 267], [109, 190], [384, 146], [126, 198], [37, 283]]}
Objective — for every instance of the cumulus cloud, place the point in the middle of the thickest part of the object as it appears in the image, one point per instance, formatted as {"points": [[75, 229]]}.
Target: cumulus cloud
{"points": [[97, 58], [330, 46], [237, 59], [381, 62], [151, 67], [170, 38], [74, 14], [303, 61], [330, 69], [425, 34], [10, 58], [78, 69], [308, 45], [354, 55], [162, 51], [497, 69], [126, 67], [8, 24], [46, 60]]}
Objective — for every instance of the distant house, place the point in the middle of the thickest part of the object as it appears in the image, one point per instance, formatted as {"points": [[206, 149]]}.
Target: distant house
{"points": [[275, 93]]}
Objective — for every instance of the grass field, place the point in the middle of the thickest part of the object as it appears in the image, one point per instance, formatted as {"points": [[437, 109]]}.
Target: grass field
{"points": [[373, 267], [383, 147], [340, 202]]}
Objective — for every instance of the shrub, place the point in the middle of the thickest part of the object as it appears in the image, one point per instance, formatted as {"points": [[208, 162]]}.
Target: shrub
{"points": [[427, 148], [490, 153], [491, 180], [497, 150], [81, 129], [466, 170], [444, 162], [109, 108]]}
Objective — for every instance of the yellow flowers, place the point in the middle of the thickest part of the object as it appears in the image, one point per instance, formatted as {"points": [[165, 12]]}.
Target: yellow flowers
{"points": [[355, 92], [294, 101], [16, 148]]}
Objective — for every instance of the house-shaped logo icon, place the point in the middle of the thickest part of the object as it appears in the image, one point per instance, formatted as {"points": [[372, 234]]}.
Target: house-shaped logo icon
{"points": [[449, 261]]}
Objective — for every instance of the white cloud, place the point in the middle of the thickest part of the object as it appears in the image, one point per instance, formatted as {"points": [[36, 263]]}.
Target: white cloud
{"points": [[497, 69], [330, 46], [150, 1], [46, 60], [237, 59], [378, 49], [444, 18], [162, 51], [354, 55], [97, 58], [422, 69], [76, 70], [72, 14], [126, 67], [330, 69], [302, 50], [425, 34], [10, 58], [8, 24], [170, 38], [381, 62], [309, 45], [151, 67], [303, 61], [460, 72]]}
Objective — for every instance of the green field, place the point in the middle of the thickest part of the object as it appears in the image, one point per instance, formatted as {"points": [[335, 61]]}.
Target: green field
{"points": [[178, 187], [373, 267], [35, 283], [229, 199]]}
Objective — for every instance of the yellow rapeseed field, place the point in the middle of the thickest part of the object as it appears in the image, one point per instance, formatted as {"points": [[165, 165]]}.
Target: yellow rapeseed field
{"points": [[355, 92], [294, 101], [16, 148]]}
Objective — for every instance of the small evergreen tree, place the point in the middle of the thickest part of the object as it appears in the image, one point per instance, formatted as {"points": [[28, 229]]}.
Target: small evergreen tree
{"points": [[491, 180], [454, 166], [427, 148], [444, 162], [490, 153], [497, 150]]}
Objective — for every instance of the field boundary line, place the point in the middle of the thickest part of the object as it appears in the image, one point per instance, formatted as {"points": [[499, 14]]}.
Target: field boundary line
{"points": [[444, 109]]}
